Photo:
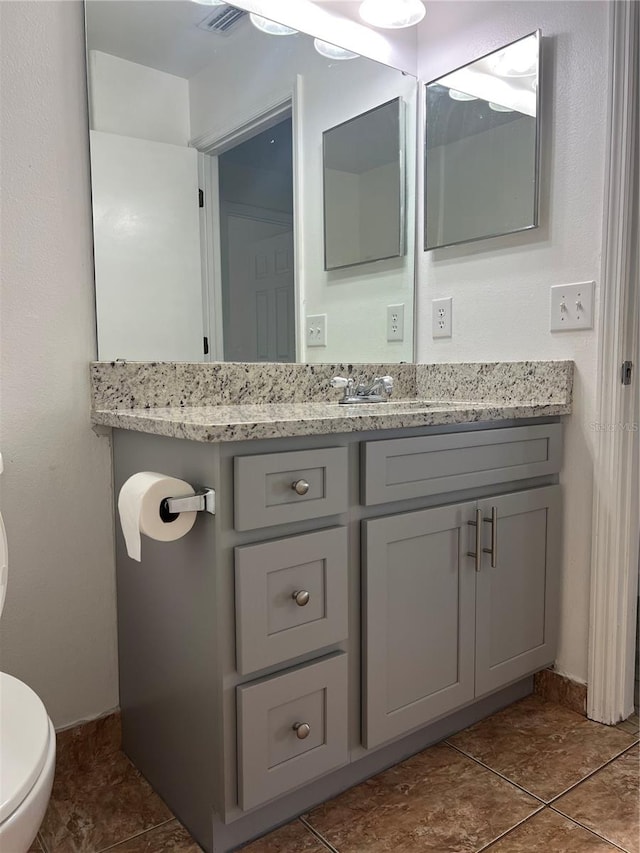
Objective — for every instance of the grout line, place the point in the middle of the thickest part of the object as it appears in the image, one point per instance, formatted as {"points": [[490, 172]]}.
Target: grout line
{"points": [[593, 772], [43, 846], [507, 831], [136, 834], [497, 773], [318, 835], [588, 829], [526, 790]]}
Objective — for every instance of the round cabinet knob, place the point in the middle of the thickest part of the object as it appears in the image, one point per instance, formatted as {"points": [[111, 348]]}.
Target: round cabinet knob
{"points": [[302, 730], [301, 597], [300, 487]]}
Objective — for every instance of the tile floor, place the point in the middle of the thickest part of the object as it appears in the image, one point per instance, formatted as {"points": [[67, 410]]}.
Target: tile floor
{"points": [[534, 778]]}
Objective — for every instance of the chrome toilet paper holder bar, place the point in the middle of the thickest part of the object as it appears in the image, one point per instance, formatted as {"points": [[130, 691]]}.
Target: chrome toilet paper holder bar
{"points": [[204, 500]]}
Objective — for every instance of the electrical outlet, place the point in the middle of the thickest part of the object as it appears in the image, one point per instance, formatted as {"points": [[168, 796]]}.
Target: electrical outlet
{"points": [[571, 306], [395, 322], [316, 330], [441, 325]]}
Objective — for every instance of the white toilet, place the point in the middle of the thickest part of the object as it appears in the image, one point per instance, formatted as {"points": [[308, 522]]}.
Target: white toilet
{"points": [[27, 750]]}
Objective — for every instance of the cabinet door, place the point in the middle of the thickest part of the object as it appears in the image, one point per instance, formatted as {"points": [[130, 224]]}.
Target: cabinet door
{"points": [[517, 601], [419, 618]]}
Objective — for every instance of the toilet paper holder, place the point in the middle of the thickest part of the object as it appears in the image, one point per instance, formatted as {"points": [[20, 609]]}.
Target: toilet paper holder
{"points": [[204, 500]]}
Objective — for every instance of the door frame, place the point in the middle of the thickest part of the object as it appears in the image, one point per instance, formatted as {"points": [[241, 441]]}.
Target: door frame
{"points": [[210, 146], [616, 508]]}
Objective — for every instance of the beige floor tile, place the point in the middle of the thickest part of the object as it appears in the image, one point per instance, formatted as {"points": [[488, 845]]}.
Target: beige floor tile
{"points": [[541, 746], [292, 838], [436, 801], [548, 832], [97, 803], [608, 802], [171, 837]]}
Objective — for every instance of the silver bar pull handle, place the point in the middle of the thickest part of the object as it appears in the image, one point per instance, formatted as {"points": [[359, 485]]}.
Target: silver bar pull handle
{"points": [[493, 521], [477, 554]]}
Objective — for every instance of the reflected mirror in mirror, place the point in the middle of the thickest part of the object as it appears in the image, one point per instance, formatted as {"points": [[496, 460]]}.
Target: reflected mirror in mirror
{"points": [[207, 184], [482, 143], [363, 188]]}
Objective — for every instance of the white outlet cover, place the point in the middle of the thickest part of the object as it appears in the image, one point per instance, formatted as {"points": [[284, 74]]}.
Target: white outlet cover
{"points": [[441, 320], [395, 322], [572, 306]]}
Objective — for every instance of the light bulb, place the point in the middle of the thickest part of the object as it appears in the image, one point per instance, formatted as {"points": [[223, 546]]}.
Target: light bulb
{"points": [[499, 108], [457, 95], [271, 27], [392, 15], [332, 51]]}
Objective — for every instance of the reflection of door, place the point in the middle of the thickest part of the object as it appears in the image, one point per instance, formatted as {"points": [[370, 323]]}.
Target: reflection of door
{"points": [[259, 284], [147, 249]]}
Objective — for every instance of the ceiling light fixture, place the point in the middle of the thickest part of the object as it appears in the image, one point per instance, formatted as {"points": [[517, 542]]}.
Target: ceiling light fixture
{"points": [[273, 28], [211, 2], [457, 95], [392, 15], [499, 108], [332, 51]]}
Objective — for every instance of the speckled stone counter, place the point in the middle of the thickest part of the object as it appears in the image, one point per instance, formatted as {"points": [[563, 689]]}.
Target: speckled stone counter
{"points": [[226, 402]]}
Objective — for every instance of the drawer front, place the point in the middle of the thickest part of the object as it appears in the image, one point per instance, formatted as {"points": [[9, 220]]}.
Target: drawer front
{"points": [[291, 597], [265, 492], [404, 468], [273, 712]]}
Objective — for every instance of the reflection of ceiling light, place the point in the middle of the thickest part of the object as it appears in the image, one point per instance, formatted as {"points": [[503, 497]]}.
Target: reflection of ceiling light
{"points": [[517, 60], [210, 2], [457, 95], [271, 27], [392, 15], [332, 51], [499, 108]]}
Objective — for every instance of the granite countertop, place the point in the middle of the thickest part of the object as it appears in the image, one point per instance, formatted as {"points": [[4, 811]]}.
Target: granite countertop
{"points": [[237, 402], [279, 420]]}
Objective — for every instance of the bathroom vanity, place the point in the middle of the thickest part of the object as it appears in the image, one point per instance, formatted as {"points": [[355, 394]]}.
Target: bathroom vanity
{"points": [[360, 593]]}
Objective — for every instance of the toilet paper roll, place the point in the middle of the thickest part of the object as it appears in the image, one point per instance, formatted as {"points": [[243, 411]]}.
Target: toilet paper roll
{"points": [[139, 508]]}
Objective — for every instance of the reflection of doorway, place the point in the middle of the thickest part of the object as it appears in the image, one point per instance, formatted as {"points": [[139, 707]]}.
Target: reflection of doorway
{"points": [[255, 180]]}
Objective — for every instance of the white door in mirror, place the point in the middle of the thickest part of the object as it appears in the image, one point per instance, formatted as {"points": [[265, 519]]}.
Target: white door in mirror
{"points": [[572, 306]]}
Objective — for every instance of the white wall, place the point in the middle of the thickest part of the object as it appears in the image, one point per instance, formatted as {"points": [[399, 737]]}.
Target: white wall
{"points": [[58, 629], [500, 287], [133, 100]]}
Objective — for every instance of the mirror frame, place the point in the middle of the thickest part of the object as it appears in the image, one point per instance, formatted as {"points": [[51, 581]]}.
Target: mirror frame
{"points": [[537, 155], [402, 193]]}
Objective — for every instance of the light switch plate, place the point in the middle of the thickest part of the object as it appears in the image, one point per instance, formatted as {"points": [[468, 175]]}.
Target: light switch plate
{"points": [[572, 306], [316, 326]]}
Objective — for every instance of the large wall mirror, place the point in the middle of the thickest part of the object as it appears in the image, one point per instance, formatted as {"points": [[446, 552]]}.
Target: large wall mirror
{"points": [[482, 143], [206, 134]]}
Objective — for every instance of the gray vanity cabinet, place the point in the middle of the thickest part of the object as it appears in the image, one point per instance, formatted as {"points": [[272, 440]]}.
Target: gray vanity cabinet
{"points": [[328, 620], [442, 628], [419, 617], [517, 600]]}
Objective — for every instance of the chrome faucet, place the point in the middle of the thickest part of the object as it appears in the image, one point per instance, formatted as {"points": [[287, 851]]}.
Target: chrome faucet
{"points": [[358, 391]]}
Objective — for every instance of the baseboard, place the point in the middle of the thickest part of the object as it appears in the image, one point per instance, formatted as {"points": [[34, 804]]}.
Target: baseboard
{"points": [[552, 686]]}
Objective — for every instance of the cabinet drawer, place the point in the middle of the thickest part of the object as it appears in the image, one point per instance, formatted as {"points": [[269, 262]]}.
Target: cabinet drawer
{"points": [[272, 625], [403, 468], [272, 758], [265, 492]]}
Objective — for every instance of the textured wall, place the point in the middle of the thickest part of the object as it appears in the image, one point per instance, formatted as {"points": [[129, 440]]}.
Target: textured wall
{"points": [[59, 622], [500, 287]]}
